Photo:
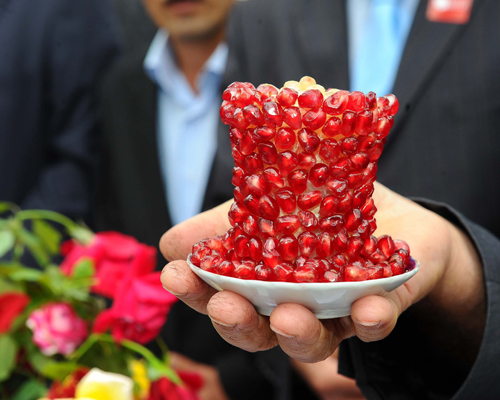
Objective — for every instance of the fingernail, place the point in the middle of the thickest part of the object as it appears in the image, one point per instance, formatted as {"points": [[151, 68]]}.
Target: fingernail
{"points": [[221, 323], [171, 291], [278, 332], [368, 324]]}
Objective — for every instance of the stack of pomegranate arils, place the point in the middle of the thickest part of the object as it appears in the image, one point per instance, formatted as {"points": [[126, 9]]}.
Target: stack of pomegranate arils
{"points": [[305, 163]]}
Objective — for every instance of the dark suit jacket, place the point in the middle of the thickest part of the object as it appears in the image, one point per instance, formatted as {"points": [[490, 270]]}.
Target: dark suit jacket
{"points": [[132, 200], [443, 147], [52, 54]]}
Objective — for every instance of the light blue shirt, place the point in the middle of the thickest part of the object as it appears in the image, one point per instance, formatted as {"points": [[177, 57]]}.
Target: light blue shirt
{"points": [[187, 125], [377, 34]]}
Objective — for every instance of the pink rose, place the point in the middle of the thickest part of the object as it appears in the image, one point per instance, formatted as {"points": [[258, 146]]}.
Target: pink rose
{"points": [[114, 255], [139, 309], [57, 329], [12, 304]]}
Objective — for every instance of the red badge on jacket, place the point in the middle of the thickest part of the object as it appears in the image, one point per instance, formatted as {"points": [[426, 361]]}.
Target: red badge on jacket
{"points": [[449, 11]]}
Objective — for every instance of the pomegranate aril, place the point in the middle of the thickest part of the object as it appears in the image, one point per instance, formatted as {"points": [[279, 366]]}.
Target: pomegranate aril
{"points": [[307, 272], [271, 258], [298, 181], [386, 245], [338, 187], [287, 161], [257, 184], [273, 177], [332, 276], [253, 115], [268, 207], [250, 225], [364, 122], [267, 92], [228, 239], [287, 224], [239, 120], [358, 200], [288, 247], [338, 263], [329, 150], [314, 119], [357, 101], [387, 269], [307, 243], [238, 212], [284, 272], [238, 157], [383, 127], [369, 246], [287, 97], [318, 175], [397, 265], [252, 163], [333, 127], [306, 160], [245, 270], [311, 98], [266, 227], [292, 117], [354, 247], [336, 104], [401, 244], [353, 219], [375, 272], [286, 200], [345, 203], [225, 268], [359, 160], [272, 113], [301, 260], [268, 153], [340, 168], [328, 206], [308, 220], [285, 138], [341, 240], [404, 255], [255, 248], [309, 200], [238, 176], [241, 246], [377, 257], [349, 145], [252, 203], [210, 263], [308, 139], [355, 272], [226, 112], [364, 229], [355, 179], [331, 224], [264, 133], [247, 143], [368, 210], [264, 273], [371, 100], [366, 142]]}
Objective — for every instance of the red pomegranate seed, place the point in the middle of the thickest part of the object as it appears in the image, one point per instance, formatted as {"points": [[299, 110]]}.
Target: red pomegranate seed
{"points": [[252, 203], [359, 160], [396, 264], [311, 98], [355, 272], [329, 150], [364, 122], [364, 229], [404, 255], [355, 179], [250, 225], [226, 112], [308, 220], [336, 104], [353, 220], [268, 207], [287, 161], [248, 143], [377, 257], [285, 138], [366, 142], [309, 140], [238, 212], [328, 206], [287, 224], [393, 104], [368, 210], [286, 200], [301, 260], [264, 133], [239, 120], [382, 127], [401, 244], [340, 168], [306, 160], [318, 175], [268, 153], [273, 177], [332, 224], [288, 247], [338, 262], [245, 270], [287, 97], [369, 246], [225, 268], [314, 119], [359, 199], [386, 245], [354, 247], [292, 117], [267, 92], [210, 263], [375, 272], [241, 246], [308, 200], [284, 272], [371, 100], [307, 272], [332, 276], [258, 184], [333, 127], [307, 243], [341, 240], [349, 145], [345, 203], [357, 101], [348, 123], [271, 258], [387, 269], [298, 181], [238, 157], [376, 151], [338, 187], [228, 239], [253, 115], [238, 176], [266, 227], [264, 273], [272, 113], [255, 248], [252, 163]]}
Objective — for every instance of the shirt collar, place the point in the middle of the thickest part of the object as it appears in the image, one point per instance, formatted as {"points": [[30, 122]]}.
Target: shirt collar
{"points": [[161, 67]]}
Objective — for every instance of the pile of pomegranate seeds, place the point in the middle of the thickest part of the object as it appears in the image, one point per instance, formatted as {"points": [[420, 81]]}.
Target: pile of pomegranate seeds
{"points": [[305, 163]]}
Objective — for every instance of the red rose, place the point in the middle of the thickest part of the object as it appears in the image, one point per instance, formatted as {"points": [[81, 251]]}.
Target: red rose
{"points": [[163, 389], [12, 304], [139, 309], [114, 256]]}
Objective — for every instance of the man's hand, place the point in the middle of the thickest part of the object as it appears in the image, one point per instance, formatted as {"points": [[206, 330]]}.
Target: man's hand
{"points": [[450, 276]]}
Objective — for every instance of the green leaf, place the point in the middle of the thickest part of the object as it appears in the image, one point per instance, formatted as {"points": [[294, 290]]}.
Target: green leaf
{"points": [[7, 241], [35, 246], [59, 370], [84, 269], [8, 351], [50, 237], [25, 274], [30, 390]]}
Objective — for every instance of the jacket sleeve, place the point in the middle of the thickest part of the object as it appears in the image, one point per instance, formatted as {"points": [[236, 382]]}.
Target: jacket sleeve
{"points": [[406, 365], [81, 42]]}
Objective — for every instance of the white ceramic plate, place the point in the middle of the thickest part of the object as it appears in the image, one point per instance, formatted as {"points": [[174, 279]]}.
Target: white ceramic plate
{"points": [[325, 300]]}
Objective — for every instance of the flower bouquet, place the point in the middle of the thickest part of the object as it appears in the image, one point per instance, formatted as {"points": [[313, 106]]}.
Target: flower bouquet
{"points": [[76, 310]]}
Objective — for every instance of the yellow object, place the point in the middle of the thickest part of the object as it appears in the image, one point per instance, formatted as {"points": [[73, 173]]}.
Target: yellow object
{"points": [[140, 377], [100, 385]]}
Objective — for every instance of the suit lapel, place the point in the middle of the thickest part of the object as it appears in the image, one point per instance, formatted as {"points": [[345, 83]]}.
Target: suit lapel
{"points": [[427, 46], [322, 38]]}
